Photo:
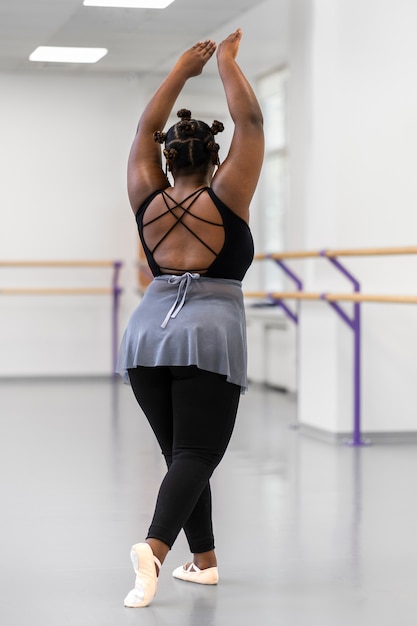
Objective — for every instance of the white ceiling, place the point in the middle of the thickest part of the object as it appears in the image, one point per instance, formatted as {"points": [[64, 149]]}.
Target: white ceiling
{"points": [[141, 41]]}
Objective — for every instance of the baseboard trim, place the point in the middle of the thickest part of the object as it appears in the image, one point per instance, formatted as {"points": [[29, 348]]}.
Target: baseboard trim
{"points": [[367, 438]]}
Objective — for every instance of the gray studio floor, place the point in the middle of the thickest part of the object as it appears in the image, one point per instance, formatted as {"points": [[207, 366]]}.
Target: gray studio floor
{"points": [[307, 533]]}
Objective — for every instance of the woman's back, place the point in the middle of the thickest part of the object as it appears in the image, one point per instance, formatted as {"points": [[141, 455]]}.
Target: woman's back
{"points": [[183, 233], [195, 233]]}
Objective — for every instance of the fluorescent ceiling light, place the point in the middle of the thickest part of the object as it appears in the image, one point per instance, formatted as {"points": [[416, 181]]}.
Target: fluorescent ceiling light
{"points": [[60, 54], [129, 4]]}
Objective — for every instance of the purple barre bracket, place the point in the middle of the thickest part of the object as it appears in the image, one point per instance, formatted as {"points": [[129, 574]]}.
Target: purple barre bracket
{"points": [[116, 289], [294, 316], [354, 324]]}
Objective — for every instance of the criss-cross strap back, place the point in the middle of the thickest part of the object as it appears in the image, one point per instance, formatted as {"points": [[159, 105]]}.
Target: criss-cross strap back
{"points": [[184, 207], [229, 257]]}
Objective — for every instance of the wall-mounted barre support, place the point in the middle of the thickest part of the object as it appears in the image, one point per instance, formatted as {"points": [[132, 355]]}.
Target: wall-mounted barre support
{"points": [[294, 316], [116, 290], [354, 324]]}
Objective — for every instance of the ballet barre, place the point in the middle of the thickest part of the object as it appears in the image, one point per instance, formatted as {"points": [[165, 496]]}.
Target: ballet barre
{"points": [[114, 291], [305, 254], [56, 291], [333, 299]]}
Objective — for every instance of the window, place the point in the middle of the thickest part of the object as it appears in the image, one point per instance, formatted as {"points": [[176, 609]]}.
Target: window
{"points": [[269, 233]]}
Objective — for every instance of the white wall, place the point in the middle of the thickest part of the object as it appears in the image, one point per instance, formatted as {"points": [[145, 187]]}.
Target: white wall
{"points": [[65, 139], [63, 154], [355, 160], [64, 146]]}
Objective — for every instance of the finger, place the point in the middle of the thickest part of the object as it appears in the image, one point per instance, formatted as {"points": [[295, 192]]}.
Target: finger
{"points": [[205, 44], [207, 51], [200, 44], [236, 35], [210, 48]]}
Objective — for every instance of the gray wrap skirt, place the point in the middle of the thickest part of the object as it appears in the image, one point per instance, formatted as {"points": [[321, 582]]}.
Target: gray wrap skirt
{"points": [[188, 320]]}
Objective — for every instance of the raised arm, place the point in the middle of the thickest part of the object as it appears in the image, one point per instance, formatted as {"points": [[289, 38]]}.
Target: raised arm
{"points": [[236, 179], [145, 173]]}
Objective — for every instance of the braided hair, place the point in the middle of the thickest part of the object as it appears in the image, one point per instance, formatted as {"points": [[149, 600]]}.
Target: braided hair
{"points": [[189, 144]]}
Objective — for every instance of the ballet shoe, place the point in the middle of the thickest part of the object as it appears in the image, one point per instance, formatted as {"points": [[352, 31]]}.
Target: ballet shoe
{"points": [[193, 574], [143, 561]]}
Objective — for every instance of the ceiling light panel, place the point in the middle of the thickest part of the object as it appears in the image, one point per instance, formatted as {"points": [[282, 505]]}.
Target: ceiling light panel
{"points": [[129, 4], [61, 54]]}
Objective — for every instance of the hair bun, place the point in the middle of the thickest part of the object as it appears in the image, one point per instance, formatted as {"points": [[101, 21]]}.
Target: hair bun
{"points": [[212, 146], [170, 154], [217, 127], [184, 114], [159, 136], [187, 127]]}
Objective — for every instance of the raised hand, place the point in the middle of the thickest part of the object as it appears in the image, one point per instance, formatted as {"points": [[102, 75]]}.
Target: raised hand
{"points": [[192, 61], [230, 46]]}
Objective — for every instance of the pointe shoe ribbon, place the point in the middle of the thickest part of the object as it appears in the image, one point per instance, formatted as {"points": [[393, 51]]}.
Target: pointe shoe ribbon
{"points": [[193, 574], [143, 561]]}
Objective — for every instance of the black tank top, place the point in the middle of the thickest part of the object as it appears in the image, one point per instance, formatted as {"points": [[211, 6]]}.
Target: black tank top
{"points": [[236, 254]]}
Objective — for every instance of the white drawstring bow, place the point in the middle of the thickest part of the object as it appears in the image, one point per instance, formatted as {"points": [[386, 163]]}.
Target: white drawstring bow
{"points": [[183, 283]]}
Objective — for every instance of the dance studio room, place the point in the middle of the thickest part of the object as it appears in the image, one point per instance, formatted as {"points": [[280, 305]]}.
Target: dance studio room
{"points": [[275, 260]]}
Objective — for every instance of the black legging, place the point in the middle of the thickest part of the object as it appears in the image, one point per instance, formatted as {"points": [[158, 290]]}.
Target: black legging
{"points": [[192, 413]]}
